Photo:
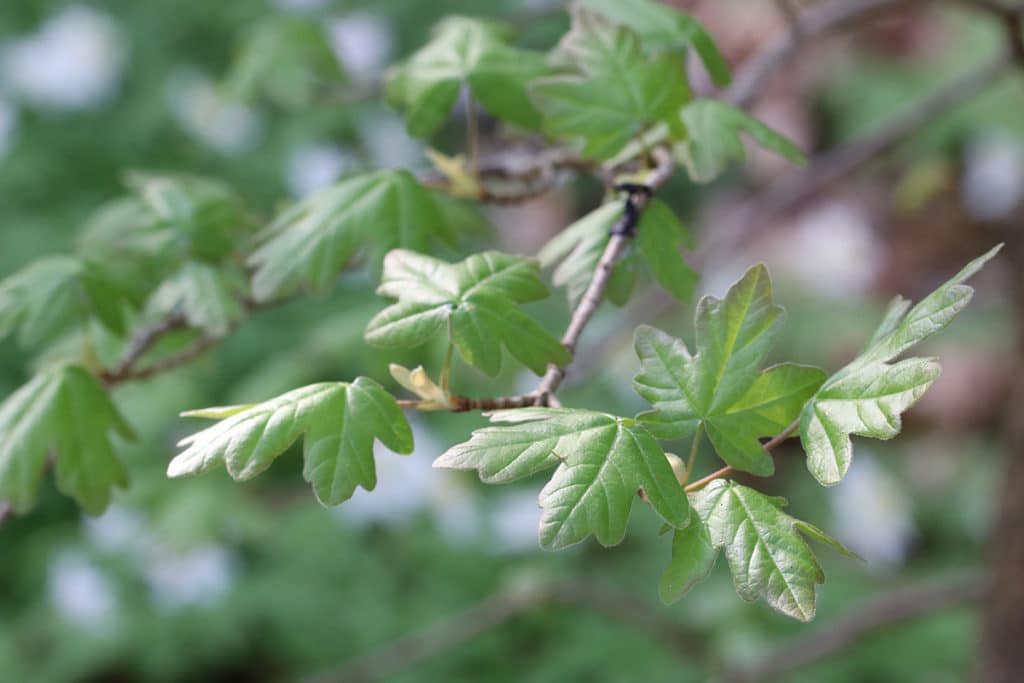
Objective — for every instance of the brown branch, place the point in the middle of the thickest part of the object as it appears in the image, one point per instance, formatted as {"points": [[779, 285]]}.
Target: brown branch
{"points": [[142, 341], [506, 605], [886, 611], [769, 446]]}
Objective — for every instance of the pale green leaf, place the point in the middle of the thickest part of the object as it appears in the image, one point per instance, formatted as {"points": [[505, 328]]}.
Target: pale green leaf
{"points": [[722, 386], [65, 414], [713, 139], [602, 461], [614, 90], [471, 53], [339, 421], [310, 243], [767, 556], [868, 396], [478, 299], [209, 296], [693, 558]]}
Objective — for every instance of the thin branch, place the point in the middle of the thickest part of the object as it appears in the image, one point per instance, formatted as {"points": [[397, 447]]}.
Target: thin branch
{"points": [[182, 357], [769, 446], [886, 611], [142, 341], [504, 606]]}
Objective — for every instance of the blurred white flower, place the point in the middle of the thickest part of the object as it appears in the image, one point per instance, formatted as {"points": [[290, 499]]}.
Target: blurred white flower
{"points": [[74, 61], [363, 44], [209, 117], [993, 180], [199, 576], [872, 513], [8, 126], [312, 167], [80, 592]]}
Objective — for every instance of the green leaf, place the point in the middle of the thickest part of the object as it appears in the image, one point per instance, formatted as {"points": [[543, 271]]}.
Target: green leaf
{"points": [[660, 27], [465, 52], [693, 558], [209, 296], [286, 59], [579, 247], [63, 413], [868, 396], [602, 462], [614, 90], [56, 293], [339, 420], [722, 387], [767, 556], [309, 244], [477, 299], [714, 139]]}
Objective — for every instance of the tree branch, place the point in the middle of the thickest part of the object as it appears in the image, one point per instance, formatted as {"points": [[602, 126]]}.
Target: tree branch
{"points": [[885, 611]]}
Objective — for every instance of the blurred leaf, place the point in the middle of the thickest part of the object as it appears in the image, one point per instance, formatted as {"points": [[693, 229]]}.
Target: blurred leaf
{"points": [[66, 414], [339, 420], [602, 461], [714, 139], [766, 553], [476, 297], [659, 237], [693, 558], [209, 296], [867, 396], [465, 52], [311, 242], [660, 26], [55, 293], [615, 90], [286, 59], [721, 387]]}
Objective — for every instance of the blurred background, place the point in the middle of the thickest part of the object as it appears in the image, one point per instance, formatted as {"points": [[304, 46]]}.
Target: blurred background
{"points": [[207, 580]]}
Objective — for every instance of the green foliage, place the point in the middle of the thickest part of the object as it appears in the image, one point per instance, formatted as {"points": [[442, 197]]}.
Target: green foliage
{"points": [[339, 420], [209, 297], [660, 234], [477, 298], [693, 558], [63, 413], [612, 90], [713, 139], [661, 27], [286, 59], [867, 396], [602, 460], [721, 388], [469, 53], [369, 214], [57, 293], [767, 556]]}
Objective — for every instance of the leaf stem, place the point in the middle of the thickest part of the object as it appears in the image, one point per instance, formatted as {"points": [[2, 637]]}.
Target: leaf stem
{"points": [[472, 136], [446, 369], [769, 446], [693, 452]]}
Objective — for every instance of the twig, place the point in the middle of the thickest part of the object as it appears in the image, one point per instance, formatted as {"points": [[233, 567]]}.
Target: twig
{"points": [[885, 611], [186, 355], [141, 342], [769, 446], [504, 606]]}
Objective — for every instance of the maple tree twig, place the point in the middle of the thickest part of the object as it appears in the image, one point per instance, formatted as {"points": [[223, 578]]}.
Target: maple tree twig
{"points": [[769, 446]]}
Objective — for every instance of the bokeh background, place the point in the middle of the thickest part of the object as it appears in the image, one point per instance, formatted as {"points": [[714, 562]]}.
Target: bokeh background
{"points": [[206, 580]]}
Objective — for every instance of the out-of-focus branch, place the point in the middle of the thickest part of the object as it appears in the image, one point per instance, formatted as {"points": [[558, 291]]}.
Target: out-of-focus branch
{"points": [[885, 611], [506, 605]]}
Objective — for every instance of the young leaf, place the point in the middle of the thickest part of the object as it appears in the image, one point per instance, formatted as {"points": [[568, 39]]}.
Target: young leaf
{"points": [[713, 139], [578, 249], [614, 90], [602, 461], [339, 420], [66, 414], [288, 60], [465, 52], [209, 296], [477, 298], [660, 27], [693, 558], [310, 243], [56, 293], [767, 556], [868, 396], [721, 387]]}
